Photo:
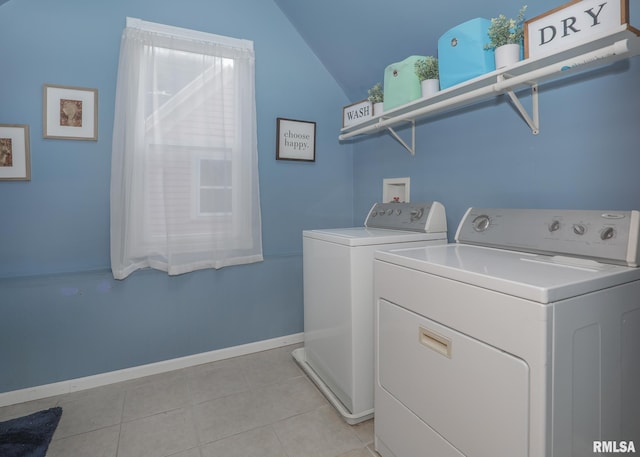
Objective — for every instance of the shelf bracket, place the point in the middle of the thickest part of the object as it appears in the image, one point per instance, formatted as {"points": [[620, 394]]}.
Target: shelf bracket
{"points": [[412, 148], [532, 121]]}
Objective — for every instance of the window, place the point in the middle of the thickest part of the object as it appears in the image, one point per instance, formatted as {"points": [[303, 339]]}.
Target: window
{"points": [[214, 192], [184, 183]]}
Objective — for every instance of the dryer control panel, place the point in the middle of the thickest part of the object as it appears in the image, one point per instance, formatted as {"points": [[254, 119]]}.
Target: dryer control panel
{"points": [[428, 217], [606, 236]]}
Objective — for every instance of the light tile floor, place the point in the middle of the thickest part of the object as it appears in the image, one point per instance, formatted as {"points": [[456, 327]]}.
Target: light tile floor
{"points": [[258, 405]]}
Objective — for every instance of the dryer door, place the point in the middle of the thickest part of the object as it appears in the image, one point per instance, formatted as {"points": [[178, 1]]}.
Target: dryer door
{"points": [[472, 394]]}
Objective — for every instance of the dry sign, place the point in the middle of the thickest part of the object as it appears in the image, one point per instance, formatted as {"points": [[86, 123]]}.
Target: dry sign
{"points": [[574, 23]]}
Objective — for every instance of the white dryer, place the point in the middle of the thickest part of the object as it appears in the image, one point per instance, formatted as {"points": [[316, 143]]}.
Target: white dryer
{"points": [[338, 298], [522, 339]]}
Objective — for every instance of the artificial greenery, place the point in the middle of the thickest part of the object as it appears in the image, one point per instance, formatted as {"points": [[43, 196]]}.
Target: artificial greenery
{"points": [[427, 68], [376, 95], [506, 31]]}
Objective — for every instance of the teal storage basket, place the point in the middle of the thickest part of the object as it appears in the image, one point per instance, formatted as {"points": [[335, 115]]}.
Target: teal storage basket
{"points": [[401, 84], [461, 53]]}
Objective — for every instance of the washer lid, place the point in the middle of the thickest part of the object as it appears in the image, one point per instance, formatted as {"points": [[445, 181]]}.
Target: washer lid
{"points": [[540, 278], [363, 236]]}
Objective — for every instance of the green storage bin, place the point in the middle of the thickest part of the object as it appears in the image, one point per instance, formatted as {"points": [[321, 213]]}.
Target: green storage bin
{"points": [[401, 84]]}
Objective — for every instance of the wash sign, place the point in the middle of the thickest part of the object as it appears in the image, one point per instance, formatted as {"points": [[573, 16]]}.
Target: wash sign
{"points": [[574, 23], [356, 113]]}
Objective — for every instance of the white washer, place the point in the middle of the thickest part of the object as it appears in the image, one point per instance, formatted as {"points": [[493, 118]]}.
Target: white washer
{"points": [[521, 339], [338, 298]]}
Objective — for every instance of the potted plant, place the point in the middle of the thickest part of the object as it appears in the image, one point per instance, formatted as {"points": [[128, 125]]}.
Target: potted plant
{"points": [[428, 74], [376, 96], [506, 36]]}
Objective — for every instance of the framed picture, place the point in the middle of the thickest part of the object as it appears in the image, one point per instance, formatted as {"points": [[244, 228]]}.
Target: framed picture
{"points": [[15, 164], [296, 140], [70, 113]]}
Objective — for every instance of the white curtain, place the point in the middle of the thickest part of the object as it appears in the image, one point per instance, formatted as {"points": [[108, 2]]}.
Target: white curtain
{"points": [[184, 176]]}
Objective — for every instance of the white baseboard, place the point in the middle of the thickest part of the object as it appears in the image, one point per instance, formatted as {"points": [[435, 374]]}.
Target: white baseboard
{"points": [[103, 379]]}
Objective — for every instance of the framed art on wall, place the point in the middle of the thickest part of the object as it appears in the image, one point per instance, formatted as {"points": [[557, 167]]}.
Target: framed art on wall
{"points": [[70, 113], [296, 140], [15, 164]]}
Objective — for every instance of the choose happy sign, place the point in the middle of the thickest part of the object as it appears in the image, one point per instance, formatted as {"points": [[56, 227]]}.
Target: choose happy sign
{"points": [[296, 140]]}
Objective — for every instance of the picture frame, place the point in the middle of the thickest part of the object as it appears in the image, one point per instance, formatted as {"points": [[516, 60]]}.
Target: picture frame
{"points": [[295, 140], [70, 113], [15, 162]]}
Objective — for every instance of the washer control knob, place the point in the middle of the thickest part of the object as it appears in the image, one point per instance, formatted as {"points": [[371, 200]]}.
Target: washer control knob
{"points": [[398, 212], [579, 229], [389, 212], [607, 233], [481, 223], [416, 214], [374, 213], [555, 226]]}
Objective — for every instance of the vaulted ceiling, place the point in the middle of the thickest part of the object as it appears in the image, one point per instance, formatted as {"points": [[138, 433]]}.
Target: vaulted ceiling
{"points": [[357, 39]]}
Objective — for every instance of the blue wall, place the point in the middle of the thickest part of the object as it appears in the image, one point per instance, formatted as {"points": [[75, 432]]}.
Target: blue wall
{"points": [[587, 155], [62, 315]]}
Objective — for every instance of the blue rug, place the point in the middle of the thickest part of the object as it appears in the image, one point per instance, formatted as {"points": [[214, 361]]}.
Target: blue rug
{"points": [[29, 436]]}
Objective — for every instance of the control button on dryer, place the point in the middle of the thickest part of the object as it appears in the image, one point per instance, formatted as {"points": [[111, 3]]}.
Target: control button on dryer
{"points": [[481, 223], [613, 216], [579, 229], [554, 226], [607, 233]]}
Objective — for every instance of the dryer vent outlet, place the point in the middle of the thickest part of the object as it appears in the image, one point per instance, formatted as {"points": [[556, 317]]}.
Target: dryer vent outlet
{"points": [[395, 190]]}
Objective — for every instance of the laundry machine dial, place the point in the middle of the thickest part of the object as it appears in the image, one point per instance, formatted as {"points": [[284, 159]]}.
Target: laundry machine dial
{"points": [[555, 226], [579, 229], [481, 223], [607, 233]]}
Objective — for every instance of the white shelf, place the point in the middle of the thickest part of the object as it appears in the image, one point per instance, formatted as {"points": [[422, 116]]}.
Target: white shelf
{"points": [[528, 73]]}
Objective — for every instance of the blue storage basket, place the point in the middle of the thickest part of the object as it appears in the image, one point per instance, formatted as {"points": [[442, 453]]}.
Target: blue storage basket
{"points": [[461, 53]]}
